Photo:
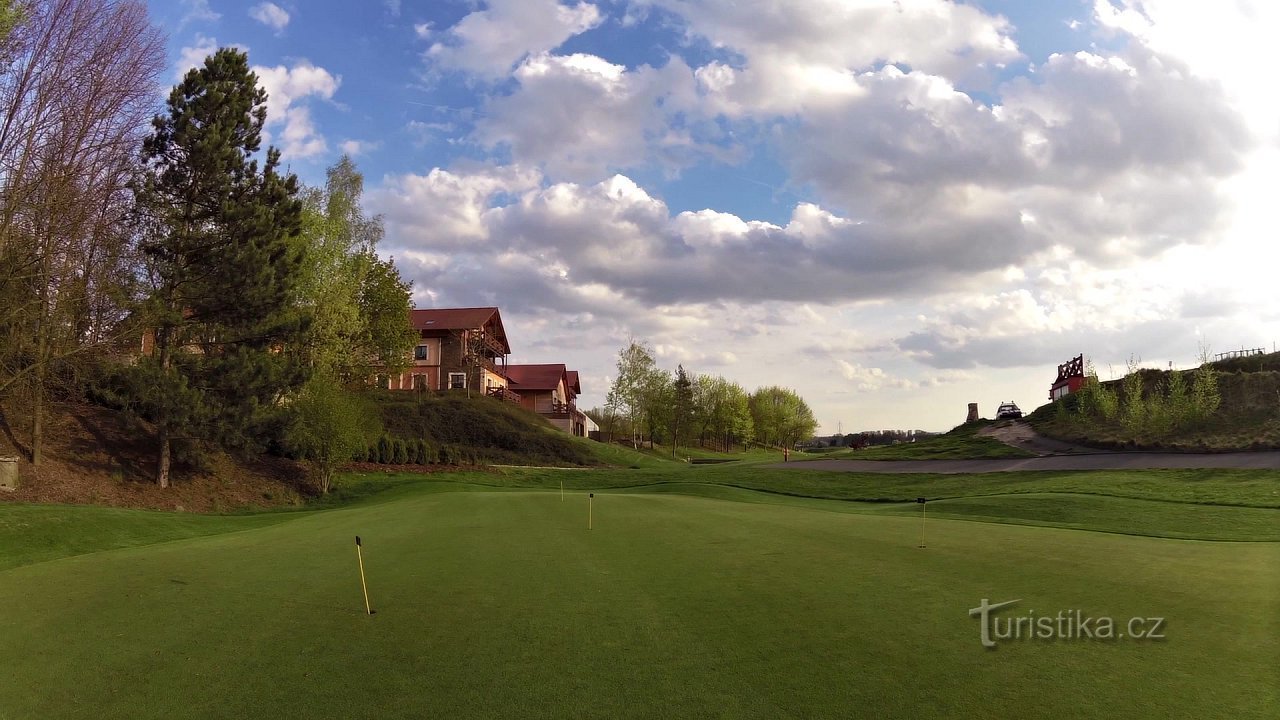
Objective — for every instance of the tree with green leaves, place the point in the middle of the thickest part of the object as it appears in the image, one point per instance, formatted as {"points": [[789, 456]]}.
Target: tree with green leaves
{"points": [[781, 417], [12, 13], [360, 306], [656, 397], [1205, 395], [220, 237], [721, 412], [627, 394], [327, 424]]}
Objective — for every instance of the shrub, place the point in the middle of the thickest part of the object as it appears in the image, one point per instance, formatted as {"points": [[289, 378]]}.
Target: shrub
{"points": [[1205, 396], [1134, 410]]}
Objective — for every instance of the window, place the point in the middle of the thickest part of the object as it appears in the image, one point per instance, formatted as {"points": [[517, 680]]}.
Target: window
{"points": [[384, 382], [420, 352], [419, 382], [457, 381]]}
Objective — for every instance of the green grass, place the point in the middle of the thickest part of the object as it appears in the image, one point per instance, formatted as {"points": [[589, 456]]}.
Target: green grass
{"points": [[962, 443], [728, 591], [493, 430], [706, 600]]}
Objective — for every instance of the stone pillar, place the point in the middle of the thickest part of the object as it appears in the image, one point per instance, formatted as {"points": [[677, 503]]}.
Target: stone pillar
{"points": [[8, 473], [973, 412]]}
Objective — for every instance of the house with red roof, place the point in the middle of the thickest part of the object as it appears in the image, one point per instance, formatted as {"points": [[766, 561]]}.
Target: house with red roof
{"points": [[458, 349], [467, 349], [551, 390]]}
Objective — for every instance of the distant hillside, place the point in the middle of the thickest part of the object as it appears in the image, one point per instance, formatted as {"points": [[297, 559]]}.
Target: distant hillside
{"points": [[1247, 417], [481, 429]]}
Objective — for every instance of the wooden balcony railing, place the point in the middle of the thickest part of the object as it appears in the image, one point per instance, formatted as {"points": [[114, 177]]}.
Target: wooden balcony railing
{"points": [[503, 394], [562, 408]]}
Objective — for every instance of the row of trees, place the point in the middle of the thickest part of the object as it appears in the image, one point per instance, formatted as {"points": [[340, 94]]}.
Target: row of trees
{"points": [[1149, 401], [872, 438], [645, 401], [261, 303]]}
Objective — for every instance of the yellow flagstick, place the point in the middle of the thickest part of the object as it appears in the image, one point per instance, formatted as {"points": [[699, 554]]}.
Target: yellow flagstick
{"points": [[363, 586], [590, 499], [922, 504]]}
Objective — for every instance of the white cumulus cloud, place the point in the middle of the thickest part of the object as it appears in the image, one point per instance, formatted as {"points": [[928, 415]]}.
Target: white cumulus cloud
{"points": [[271, 15], [491, 41]]}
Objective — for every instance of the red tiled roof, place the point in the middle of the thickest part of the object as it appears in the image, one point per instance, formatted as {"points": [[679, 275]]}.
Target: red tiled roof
{"points": [[459, 319], [536, 377], [574, 384]]}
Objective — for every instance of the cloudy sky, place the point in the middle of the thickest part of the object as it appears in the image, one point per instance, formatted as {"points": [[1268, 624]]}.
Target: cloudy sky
{"points": [[895, 208]]}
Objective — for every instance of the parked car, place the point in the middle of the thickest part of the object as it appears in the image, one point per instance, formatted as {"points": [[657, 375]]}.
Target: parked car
{"points": [[1008, 411]]}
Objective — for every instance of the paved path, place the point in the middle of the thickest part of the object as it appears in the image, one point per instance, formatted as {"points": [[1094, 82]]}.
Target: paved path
{"points": [[1269, 459]]}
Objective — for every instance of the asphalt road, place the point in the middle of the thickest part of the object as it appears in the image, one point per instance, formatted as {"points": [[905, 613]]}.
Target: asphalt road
{"points": [[1268, 460]]}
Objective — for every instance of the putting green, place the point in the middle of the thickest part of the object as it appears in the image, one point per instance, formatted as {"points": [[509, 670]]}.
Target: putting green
{"points": [[503, 604]]}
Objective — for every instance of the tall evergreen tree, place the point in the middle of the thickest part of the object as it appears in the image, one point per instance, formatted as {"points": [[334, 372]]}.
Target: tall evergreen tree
{"points": [[221, 240], [681, 408]]}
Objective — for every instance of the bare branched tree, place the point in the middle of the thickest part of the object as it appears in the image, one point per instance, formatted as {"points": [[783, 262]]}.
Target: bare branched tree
{"points": [[76, 91]]}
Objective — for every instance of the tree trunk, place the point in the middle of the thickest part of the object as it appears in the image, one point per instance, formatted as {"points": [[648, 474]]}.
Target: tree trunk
{"points": [[42, 342], [162, 469], [162, 465], [37, 417]]}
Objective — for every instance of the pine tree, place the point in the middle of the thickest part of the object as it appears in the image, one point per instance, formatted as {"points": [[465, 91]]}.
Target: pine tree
{"points": [[220, 236], [682, 408]]}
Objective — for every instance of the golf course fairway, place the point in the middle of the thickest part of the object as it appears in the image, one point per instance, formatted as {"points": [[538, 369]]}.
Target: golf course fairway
{"points": [[501, 603]]}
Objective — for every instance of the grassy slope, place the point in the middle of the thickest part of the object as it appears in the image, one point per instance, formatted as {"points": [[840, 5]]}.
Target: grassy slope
{"points": [[1238, 505], [502, 604], [496, 431], [1248, 417], [961, 443]]}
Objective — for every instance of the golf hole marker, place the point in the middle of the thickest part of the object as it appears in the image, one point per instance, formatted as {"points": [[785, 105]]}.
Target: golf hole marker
{"points": [[922, 504], [363, 586], [591, 497]]}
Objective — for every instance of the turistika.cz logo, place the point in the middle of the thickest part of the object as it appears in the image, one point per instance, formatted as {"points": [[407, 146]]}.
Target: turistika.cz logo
{"points": [[1065, 625]]}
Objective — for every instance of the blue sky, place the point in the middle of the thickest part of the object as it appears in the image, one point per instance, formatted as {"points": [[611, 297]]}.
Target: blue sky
{"points": [[895, 208]]}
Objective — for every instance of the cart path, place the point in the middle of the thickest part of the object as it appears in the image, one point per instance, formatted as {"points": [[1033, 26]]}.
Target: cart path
{"points": [[1265, 460]]}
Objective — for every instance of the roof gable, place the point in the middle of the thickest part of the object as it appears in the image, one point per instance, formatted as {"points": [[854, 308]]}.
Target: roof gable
{"points": [[537, 377], [460, 319]]}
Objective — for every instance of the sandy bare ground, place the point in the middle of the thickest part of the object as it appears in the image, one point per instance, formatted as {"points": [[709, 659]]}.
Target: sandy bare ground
{"points": [[1021, 435]]}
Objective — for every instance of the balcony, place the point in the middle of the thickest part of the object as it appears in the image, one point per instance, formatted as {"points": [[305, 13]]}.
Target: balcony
{"points": [[503, 394], [561, 409]]}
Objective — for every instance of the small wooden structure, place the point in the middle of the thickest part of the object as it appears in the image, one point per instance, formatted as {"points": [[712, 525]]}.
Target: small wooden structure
{"points": [[1240, 353], [8, 473], [1070, 378]]}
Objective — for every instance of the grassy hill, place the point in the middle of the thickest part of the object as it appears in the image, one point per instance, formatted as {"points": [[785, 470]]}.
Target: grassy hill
{"points": [[1248, 417], [95, 455], [961, 443], [484, 429]]}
